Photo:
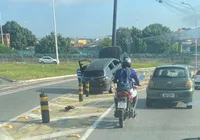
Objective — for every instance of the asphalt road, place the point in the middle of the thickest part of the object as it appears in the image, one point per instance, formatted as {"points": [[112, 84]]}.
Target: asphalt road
{"points": [[163, 122], [23, 99]]}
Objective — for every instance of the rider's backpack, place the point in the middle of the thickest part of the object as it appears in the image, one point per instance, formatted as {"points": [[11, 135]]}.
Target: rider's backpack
{"points": [[124, 83]]}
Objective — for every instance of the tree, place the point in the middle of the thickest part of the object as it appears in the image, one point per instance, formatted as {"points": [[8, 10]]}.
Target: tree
{"points": [[5, 49], [138, 45], [106, 42], [47, 44], [157, 38], [122, 34], [20, 38]]}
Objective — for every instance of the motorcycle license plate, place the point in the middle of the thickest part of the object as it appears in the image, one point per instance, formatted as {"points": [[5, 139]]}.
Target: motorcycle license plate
{"points": [[122, 104]]}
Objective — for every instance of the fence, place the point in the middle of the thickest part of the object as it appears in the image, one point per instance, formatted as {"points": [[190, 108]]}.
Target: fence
{"points": [[34, 58]]}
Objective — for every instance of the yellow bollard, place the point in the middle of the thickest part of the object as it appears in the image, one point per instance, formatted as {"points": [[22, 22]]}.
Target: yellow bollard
{"points": [[44, 108], [80, 92], [87, 89]]}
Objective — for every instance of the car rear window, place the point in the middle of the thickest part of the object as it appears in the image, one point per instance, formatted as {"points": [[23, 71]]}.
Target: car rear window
{"points": [[94, 73], [170, 72], [198, 72]]}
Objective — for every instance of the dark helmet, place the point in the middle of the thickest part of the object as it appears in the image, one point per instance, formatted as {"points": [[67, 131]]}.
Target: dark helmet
{"points": [[126, 62]]}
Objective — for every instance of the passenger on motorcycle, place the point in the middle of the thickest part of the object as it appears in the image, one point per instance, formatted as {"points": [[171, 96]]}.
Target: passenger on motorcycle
{"points": [[124, 79]]}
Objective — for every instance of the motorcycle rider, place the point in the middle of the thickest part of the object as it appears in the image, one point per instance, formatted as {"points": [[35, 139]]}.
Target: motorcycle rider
{"points": [[131, 75]]}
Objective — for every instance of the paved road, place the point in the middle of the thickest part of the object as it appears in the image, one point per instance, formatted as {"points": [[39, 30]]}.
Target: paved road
{"points": [[163, 123], [23, 99]]}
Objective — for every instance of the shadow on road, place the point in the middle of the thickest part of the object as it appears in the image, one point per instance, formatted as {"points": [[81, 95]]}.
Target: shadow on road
{"points": [[56, 90], [192, 138], [157, 105]]}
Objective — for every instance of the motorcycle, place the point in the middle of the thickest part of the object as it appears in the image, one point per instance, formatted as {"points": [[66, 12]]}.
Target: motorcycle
{"points": [[124, 109]]}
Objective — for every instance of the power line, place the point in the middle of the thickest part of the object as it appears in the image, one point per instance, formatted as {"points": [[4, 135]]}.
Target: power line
{"points": [[171, 10]]}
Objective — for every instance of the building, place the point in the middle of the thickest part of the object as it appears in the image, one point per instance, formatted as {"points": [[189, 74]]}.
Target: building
{"points": [[6, 39]]}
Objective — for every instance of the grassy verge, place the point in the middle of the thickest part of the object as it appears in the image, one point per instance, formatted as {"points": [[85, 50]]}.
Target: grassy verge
{"points": [[20, 71]]}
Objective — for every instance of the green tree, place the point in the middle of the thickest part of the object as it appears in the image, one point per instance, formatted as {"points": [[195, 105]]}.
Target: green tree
{"points": [[5, 49], [47, 44], [106, 42], [121, 38], [20, 38], [138, 45], [157, 38]]}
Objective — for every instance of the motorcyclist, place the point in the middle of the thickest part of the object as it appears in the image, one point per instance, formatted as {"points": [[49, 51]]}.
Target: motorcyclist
{"points": [[126, 64]]}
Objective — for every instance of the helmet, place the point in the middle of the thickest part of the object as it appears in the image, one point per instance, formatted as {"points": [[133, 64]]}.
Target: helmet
{"points": [[126, 62]]}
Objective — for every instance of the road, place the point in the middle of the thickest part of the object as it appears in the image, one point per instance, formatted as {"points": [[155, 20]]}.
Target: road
{"points": [[158, 123], [22, 99]]}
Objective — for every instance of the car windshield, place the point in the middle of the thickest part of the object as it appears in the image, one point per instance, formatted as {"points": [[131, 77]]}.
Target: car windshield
{"points": [[170, 73]]}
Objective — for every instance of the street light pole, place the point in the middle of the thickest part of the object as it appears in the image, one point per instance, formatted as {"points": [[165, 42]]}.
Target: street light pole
{"points": [[114, 24], [196, 39], [55, 31], [2, 40]]}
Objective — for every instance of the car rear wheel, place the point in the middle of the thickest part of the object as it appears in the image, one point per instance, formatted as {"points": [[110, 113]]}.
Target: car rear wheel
{"points": [[55, 62], [189, 106], [42, 62], [149, 103]]}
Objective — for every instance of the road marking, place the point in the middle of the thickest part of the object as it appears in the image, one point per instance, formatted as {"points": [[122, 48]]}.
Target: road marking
{"points": [[36, 86], [53, 135], [94, 125], [100, 119]]}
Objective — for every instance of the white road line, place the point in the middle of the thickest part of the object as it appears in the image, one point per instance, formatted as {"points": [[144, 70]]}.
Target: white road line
{"points": [[100, 119], [53, 135], [74, 117], [36, 86], [15, 118], [91, 129]]}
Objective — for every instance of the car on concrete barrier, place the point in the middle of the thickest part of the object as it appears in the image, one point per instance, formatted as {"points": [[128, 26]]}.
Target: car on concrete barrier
{"points": [[171, 83], [47, 60], [197, 79], [100, 74]]}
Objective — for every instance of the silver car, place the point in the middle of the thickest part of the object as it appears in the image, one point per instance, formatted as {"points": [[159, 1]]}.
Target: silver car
{"points": [[197, 79], [47, 60]]}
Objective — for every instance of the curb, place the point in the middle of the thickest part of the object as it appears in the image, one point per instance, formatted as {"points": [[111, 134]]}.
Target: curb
{"points": [[66, 76], [57, 77], [7, 79], [49, 78]]}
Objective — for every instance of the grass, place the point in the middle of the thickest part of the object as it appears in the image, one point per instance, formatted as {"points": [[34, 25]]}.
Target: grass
{"points": [[22, 71]]}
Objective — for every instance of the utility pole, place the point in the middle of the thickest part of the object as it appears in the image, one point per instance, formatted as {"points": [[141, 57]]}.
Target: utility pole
{"points": [[114, 24], [2, 40]]}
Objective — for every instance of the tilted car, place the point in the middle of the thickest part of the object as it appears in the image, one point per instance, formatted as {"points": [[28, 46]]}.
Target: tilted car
{"points": [[100, 74], [172, 83]]}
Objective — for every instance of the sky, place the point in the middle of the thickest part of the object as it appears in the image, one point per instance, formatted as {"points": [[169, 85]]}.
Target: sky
{"points": [[93, 18]]}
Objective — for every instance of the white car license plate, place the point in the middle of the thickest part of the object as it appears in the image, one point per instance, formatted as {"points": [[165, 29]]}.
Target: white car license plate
{"points": [[168, 95], [122, 104]]}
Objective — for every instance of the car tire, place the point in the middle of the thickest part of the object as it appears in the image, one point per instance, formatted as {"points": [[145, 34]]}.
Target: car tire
{"points": [[189, 107], [54, 62], [112, 90], [42, 62], [149, 103]]}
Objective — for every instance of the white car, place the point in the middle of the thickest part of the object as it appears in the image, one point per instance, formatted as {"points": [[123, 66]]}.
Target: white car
{"points": [[47, 60], [197, 79]]}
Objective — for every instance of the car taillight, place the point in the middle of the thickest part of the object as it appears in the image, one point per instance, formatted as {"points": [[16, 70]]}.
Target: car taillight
{"points": [[151, 84], [188, 84]]}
